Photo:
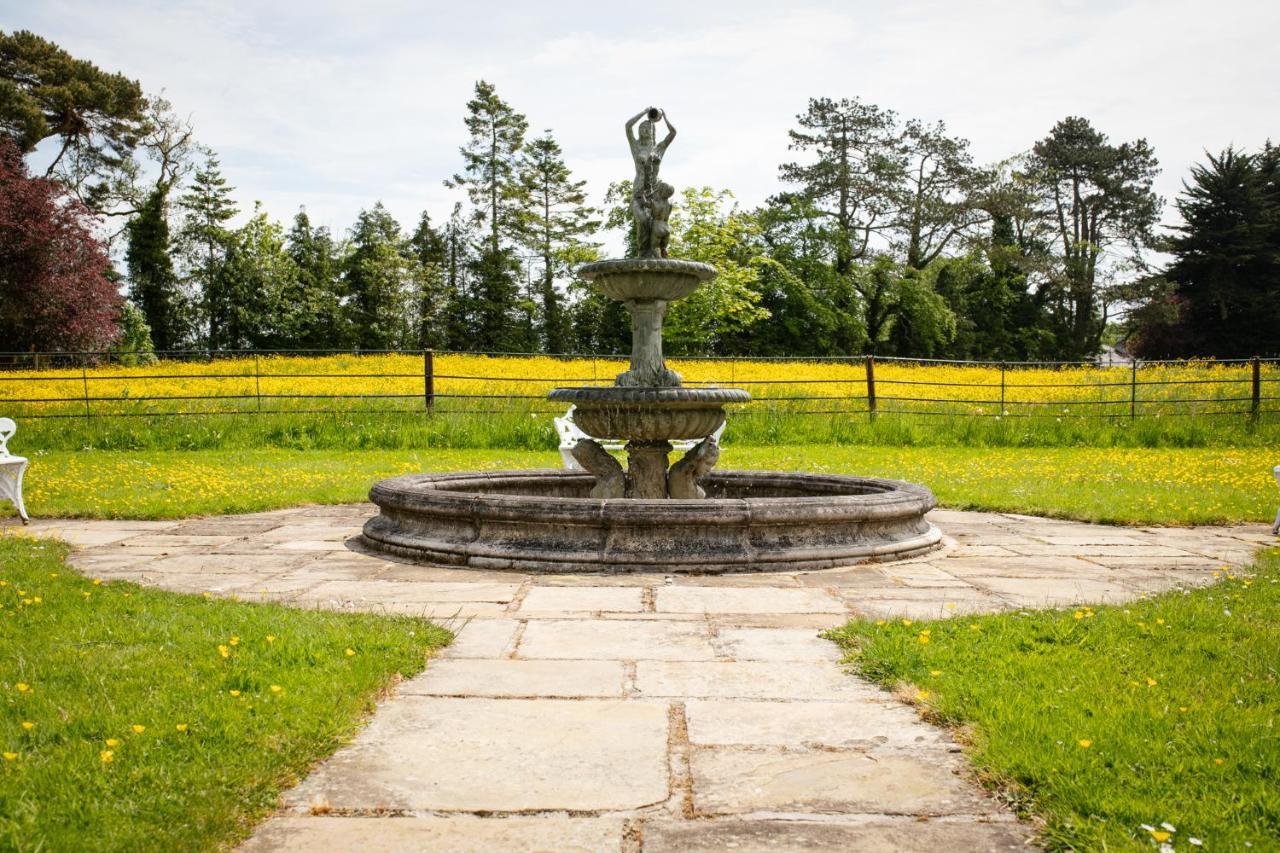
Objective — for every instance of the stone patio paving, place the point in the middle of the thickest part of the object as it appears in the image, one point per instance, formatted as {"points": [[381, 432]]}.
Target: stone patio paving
{"points": [[648, 712]]}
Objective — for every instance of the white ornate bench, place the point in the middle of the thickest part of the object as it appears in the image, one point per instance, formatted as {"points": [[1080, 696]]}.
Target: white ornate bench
{"points": [[11, 469], [571, 435]]}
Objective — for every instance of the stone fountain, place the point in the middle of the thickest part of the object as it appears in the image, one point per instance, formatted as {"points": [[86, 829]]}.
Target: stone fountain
{"points": [[648, 517]]}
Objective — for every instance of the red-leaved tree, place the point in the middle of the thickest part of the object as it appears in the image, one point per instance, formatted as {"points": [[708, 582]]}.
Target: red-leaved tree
{"points": [[54, 289]]}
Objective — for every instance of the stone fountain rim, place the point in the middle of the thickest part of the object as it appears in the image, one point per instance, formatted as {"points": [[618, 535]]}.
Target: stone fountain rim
{"points": [[612, 395], [560, 534], [892, 498], [626, 266]]}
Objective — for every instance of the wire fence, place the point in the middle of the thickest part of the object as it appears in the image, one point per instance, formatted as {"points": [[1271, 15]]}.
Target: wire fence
{"points": [[278, 382]]}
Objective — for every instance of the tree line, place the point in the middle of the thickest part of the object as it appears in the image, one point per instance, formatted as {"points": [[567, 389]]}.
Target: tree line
{"points": [[886, 237]]}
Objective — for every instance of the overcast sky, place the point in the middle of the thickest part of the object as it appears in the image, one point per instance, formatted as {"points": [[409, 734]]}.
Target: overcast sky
{"points": [[335, 105]]}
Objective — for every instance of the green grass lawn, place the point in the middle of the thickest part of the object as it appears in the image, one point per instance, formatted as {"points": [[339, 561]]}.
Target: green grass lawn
{"points": [[134, 719], [1109, 723], [1117, 485]]}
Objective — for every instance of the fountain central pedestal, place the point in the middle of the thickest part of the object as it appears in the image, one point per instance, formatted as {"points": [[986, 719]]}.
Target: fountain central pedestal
{"points": [[647, 405]]}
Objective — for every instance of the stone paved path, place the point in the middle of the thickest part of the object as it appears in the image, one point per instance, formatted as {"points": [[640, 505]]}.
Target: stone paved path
{"points": [[653, 712]]}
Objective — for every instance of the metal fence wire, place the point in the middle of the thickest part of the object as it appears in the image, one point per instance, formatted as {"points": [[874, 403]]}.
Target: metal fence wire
{"points": [[266, 382]]}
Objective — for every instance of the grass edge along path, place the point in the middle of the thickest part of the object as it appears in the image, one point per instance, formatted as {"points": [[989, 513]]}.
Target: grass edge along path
{"points": [[1119, 727], [1109, 485], [137, 719]]}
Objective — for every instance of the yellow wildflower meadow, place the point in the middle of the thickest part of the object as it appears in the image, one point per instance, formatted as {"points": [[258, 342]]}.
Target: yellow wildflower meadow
{"points": [[352, 381]]}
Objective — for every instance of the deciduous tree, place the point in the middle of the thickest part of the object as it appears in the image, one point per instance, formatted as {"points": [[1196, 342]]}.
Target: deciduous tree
{"points": [[55, 292]]}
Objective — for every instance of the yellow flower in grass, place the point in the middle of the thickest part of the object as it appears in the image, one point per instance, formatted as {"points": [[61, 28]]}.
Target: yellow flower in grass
{"points": [[234, 692], [224, 651], [922, 695], [113, 742], [271, 638], [276, 688], [11, 756], [351, 652], [1084, 743], [28, 725], [106, 756], [935, 672], [1151, 682], [182, 727], [1219, 761], [235, 641], [137, 730], [23, 687]]}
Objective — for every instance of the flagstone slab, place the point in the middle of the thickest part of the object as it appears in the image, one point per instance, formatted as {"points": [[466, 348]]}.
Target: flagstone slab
{"points": [[617, 639], [482, 638], [749, 680], [519, 678], [739, 781], [719, 599], [457, 834], [1052, 592], [499, 755], [882, 836], [847, 724], [584, 598], [775, 644], [427, 591]]}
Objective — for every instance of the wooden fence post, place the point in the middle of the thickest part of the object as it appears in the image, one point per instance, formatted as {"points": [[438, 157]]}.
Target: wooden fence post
{"points": [[84, 378], [1133, 391], [1256, 403], [257, 381], [871, 387], [428, 379], [1002, 389]]}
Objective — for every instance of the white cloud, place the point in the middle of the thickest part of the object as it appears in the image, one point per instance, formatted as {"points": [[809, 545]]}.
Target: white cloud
{"points": [[333, 107]]}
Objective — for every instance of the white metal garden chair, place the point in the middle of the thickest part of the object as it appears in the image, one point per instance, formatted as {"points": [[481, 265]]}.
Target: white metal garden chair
{"points": [[11, 469], [1275, 528], [570, 435]]}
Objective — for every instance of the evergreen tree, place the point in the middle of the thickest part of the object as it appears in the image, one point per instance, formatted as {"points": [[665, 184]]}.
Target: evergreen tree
{"points": [[856, 175], [378, 280], [939, 194], [260, 282], [1226, 267], [204, 240], [317, 319], [558, 222], [459, 319], [491, 160], [153, 287], [1098, 196], [429, 247]]}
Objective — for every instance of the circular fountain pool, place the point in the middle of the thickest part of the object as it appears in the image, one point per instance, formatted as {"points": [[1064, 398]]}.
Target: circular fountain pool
{"points": [[543, 521]]}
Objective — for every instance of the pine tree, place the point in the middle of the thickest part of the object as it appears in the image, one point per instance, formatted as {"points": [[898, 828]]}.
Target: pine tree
{"points": [[430, 250], [557, 222], [317, 319], [377, 281], [855, 177], [204, 239], [490, 177], [153, 287], [259, 280], [1226, 268]]}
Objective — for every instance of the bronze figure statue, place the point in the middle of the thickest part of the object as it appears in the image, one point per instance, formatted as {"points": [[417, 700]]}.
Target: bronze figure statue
{"points": [[648, 204]]}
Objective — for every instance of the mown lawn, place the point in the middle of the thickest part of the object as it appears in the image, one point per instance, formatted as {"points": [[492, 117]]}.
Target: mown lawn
{"points": [[134, 719], [1115, 485], [1121, 727]]}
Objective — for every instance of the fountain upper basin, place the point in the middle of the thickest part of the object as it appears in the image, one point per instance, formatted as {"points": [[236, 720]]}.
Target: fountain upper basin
{"points": [[543, 521], [648, 414], [628, 279]]}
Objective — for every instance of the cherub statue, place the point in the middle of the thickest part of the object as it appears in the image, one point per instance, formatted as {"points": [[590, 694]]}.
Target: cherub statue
{"points": [[682, 479], [661, 209], [647, 154], [611, 481]]}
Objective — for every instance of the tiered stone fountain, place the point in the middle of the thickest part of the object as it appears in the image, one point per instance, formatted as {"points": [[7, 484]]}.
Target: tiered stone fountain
{"points": [[648, 517]]}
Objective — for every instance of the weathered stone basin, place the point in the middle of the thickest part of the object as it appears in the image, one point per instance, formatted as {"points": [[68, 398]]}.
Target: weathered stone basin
{"points": [[649, 414], [543, 521]]}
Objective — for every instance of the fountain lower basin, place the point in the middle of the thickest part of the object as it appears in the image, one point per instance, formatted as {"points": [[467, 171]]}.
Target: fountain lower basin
{"points": [[542, 521]]}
